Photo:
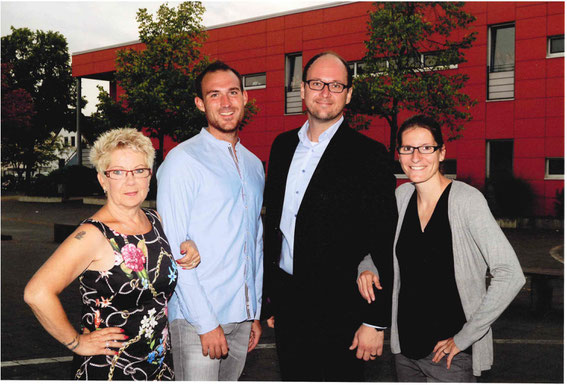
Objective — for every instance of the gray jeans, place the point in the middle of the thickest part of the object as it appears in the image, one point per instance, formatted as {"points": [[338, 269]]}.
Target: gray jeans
{"points": [[189, 363], [425, 370]]}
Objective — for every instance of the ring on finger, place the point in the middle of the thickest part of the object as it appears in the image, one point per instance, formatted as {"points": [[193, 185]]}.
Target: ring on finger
{"points": [[446, 352], [107, 344]]}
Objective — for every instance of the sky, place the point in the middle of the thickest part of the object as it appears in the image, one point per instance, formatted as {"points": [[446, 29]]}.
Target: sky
{"points": [[94, 24]]}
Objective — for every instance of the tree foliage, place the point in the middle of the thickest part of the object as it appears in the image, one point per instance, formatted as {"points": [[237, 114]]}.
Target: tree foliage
{"points": [[158, 80], [37, 94], [410, 51]]}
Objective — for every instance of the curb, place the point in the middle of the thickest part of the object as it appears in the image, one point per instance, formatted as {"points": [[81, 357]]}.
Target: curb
{"points": [[40, 199], [35, 199], [102, 201], [86, 200]]}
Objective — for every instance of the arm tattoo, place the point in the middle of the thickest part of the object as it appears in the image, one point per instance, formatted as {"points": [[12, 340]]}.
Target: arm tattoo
{"points": [[75, 346], [80, 235], [74, 343]]}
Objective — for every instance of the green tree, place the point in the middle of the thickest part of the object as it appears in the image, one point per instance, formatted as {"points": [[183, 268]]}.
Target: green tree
{"points": [[37, 95], [158, 80], [410, 51]]}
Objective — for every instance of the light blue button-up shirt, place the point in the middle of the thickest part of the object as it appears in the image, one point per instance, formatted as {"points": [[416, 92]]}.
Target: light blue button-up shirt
{"points": [[303, 165], [211, 193]]}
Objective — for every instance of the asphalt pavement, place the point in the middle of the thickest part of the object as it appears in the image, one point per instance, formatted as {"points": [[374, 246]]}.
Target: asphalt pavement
{"points": [[528, 344]]}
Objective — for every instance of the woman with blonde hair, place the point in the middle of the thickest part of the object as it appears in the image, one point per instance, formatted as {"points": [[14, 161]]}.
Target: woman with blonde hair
{"points": [[126, 273]]}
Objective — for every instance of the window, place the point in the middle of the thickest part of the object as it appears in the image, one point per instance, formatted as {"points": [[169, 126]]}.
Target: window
{"points": [[499, 158], [427, 61], [556, 46], [554, 168], [293, 72], [72, 141], [449, 168], [398, 172], [254, 81], [430, 60], [357, 67], [66, 141], [501, 62]]}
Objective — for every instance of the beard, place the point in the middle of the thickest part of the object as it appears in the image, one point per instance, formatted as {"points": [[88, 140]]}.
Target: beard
{"points": [[225, 127], [324, 115], [226, 130]]}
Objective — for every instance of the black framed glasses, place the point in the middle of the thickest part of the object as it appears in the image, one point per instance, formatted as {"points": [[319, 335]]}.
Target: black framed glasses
{"points": [[118, 174], [426, 149], [318, 85]]}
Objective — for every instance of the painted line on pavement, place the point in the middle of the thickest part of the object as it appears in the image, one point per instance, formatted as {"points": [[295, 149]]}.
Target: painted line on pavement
{"points": [[26, 221], [557, 253], [527, 342], [53, 360], [36, 361]]}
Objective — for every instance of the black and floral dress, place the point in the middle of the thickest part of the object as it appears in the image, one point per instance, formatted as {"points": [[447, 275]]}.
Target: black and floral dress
{"points": [[132, 295]]}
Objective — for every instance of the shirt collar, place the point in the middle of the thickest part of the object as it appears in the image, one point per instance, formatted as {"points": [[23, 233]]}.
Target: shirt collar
{"points": [[325, 136], [216, 142]]}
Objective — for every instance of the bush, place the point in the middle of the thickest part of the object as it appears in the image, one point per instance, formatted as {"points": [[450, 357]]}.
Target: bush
{"points": [[69, 181], [510, 197], [43, 185]]}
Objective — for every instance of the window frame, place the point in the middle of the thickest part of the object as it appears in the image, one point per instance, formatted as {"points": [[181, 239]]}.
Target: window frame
{"points": [[287, 79], [488, 154], [491, 53], [422, 68], [549, 176], [246, 88], [550, 54]]}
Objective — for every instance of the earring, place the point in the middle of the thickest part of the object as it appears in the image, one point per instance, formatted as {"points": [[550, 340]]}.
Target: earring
{"points": [[104, 190]]}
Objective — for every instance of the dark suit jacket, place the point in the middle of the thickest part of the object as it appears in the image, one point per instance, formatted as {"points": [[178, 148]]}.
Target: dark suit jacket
{"points": [[348, 211]]}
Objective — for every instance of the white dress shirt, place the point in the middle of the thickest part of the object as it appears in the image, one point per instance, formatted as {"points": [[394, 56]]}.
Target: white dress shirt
{"points": [[303, 165]]}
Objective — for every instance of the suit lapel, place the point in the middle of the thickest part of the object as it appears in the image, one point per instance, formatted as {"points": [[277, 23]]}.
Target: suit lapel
{"points": [[324, 172], [285, 157]]}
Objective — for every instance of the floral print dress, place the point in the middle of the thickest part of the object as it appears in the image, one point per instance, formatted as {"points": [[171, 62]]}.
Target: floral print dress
{"points": [[132, 295]]}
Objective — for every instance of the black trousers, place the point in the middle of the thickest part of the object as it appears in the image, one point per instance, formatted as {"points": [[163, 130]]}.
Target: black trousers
{"points": [[310, 345]]}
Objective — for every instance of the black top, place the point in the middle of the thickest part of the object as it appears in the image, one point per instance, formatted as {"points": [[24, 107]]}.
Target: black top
{"points": [[132, 295], [430, 309]]}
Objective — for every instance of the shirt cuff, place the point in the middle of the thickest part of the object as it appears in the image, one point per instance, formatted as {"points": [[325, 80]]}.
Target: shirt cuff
{"points": [[374, 326]]}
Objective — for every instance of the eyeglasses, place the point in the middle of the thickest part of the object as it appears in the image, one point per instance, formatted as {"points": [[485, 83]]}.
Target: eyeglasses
{"points": [[119, 174], [427, 149], [318, 85]]}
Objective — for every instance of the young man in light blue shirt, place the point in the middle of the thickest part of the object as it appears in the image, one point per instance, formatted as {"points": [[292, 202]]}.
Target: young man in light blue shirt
{"points": [[210, 191]]}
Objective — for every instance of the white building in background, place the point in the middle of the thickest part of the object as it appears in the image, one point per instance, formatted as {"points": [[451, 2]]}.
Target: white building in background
{"points": [[68, 156]]}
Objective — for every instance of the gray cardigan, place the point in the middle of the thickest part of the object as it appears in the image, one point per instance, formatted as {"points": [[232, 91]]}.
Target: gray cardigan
{"points": [[478, 244]]}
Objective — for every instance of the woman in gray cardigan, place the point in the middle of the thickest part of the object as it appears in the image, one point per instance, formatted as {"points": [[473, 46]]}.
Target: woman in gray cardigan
{"points": [[446, 240]]}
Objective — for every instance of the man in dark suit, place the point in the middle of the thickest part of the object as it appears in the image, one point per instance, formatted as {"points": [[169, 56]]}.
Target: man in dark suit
{"points": [[329, 200]]}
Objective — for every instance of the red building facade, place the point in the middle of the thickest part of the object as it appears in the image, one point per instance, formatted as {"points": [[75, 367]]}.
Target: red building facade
{"points": [[516, 70]]}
